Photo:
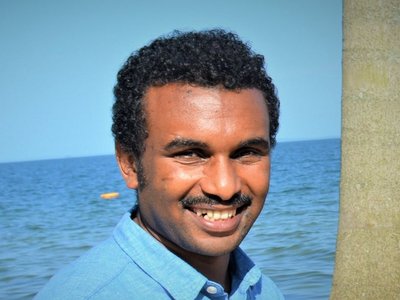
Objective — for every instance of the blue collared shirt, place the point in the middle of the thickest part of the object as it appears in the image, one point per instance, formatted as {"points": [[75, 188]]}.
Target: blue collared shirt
{"points": [[133, 265]]}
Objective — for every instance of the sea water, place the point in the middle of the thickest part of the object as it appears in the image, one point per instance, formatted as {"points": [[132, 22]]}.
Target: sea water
{"points": [[51, 212]]}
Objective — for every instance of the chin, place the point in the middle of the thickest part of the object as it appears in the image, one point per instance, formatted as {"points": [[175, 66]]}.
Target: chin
{"points": [[214, 248]]}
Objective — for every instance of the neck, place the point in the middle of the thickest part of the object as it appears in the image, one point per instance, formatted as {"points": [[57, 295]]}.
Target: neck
{"points": [[215, 268]]}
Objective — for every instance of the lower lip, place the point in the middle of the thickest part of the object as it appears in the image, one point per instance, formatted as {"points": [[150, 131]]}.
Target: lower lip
{"points": [[220, 227]]}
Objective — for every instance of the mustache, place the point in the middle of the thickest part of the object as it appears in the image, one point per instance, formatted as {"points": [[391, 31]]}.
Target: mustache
{"points": [[237, 200]]}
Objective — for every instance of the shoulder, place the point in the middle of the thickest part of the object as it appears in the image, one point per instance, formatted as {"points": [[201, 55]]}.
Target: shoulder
{"points": [[104, 272], [269, 290], [265, 289], [88, 274], [252, 281]]}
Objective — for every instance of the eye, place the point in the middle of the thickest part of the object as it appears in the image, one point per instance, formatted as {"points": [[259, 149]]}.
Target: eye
{"points": [[190, 156], [248, 155]]}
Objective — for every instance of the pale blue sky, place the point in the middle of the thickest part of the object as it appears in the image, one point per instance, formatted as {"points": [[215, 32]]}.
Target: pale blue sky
{"points": [[59, 59]]}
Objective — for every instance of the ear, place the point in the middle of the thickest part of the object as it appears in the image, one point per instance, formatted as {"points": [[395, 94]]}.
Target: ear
{"points": [[127, 167]]}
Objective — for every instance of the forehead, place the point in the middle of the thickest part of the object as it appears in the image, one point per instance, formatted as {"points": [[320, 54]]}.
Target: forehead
{"points": [[182, 108]]}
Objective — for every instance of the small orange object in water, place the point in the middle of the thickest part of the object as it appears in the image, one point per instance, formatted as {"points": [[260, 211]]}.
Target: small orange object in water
{"points": [[109, 195]]}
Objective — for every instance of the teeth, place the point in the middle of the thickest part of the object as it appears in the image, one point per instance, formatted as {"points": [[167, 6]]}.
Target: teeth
{"points": [[215, 215], [208, 218]]}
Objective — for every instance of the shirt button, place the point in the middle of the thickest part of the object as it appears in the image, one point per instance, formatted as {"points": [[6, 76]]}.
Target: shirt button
{"points": [[211, 290]]}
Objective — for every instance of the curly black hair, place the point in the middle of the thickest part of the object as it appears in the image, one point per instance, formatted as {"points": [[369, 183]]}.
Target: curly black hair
{"points": [[204, 58]]}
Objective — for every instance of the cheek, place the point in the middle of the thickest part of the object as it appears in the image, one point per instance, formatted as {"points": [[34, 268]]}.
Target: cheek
{"points": [[181, 174], [258, 184], [179, 180]]}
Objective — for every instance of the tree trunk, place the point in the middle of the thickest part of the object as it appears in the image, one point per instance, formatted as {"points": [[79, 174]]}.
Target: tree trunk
{"points": [[368, 244]]}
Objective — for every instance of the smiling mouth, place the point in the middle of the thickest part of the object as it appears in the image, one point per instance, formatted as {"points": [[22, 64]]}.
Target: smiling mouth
{"points": [[217, 215]]}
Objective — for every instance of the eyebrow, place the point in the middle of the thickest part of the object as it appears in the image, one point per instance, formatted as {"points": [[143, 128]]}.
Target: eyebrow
{"points": [[256, 142], [184, 142]]}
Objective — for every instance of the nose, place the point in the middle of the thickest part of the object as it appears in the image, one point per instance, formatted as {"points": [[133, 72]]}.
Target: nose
{"points": [[220, 179]]}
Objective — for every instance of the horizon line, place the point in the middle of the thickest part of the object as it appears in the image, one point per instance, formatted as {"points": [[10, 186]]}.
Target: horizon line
{"points": [[289, 140]]}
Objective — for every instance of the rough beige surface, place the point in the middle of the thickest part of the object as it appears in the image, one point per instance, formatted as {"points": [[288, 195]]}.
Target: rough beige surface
{"points": [[368, 247]]}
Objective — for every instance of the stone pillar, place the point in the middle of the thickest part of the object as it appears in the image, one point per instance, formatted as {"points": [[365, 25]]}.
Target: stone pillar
{"points": [[368, 245]]}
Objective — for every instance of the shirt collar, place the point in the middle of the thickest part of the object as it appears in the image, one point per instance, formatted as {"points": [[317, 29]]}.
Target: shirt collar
{"points": [[146, 252], [245, 273]]}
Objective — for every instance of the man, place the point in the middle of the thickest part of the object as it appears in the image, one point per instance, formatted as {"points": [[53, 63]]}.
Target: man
{"points": [[194, 121]]}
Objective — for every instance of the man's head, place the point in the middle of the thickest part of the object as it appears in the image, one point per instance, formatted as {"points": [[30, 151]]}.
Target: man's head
{"points": [[195, 118], [207, 58]]}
